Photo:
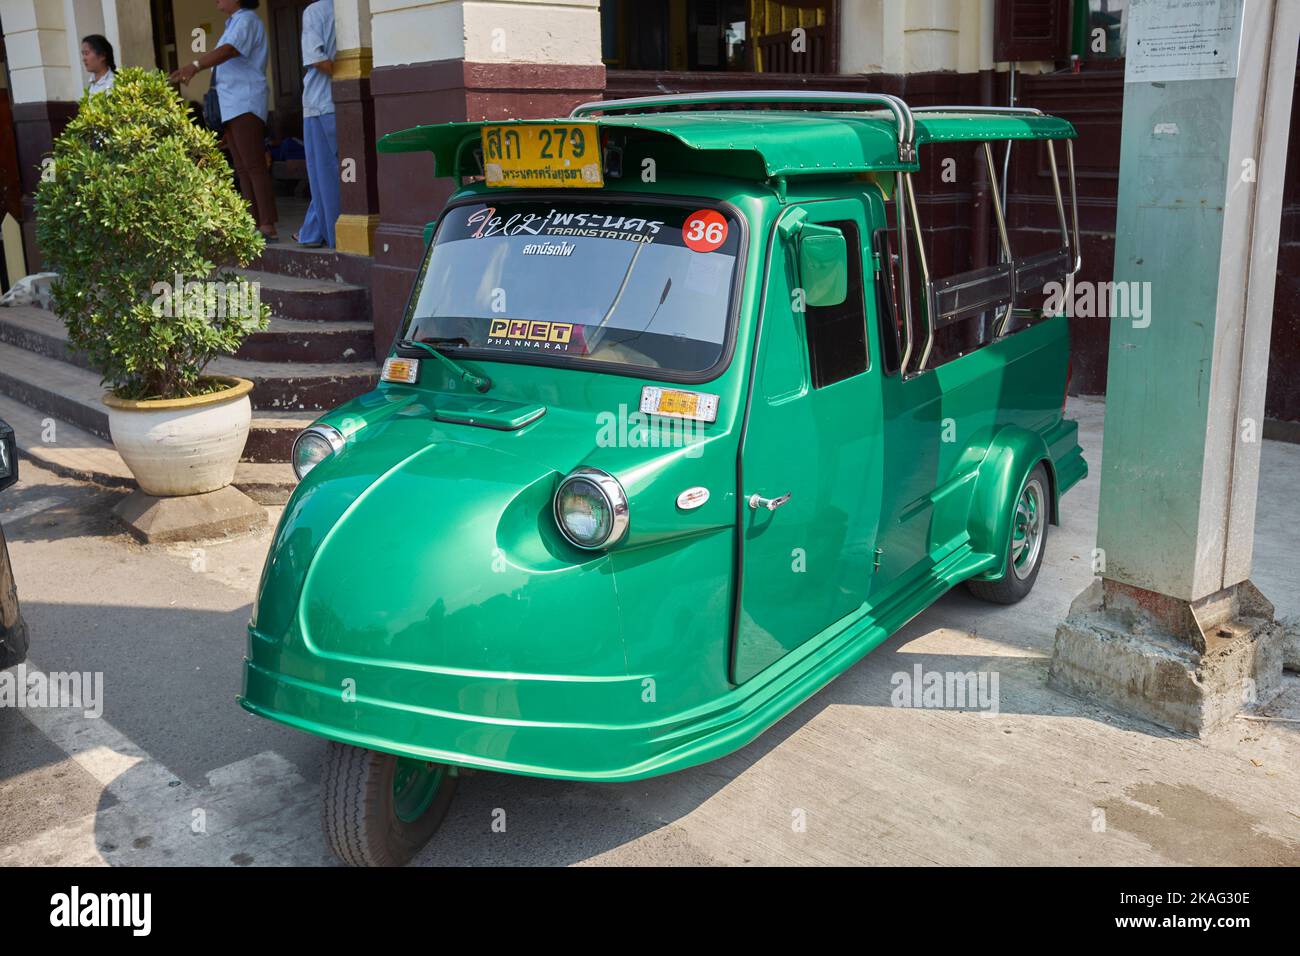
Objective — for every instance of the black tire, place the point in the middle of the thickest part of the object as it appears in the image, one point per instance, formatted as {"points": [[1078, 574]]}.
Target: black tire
{"points": [[1018, 581], [359, 809]]}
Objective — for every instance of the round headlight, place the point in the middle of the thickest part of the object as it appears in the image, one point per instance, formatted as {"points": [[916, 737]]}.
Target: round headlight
{"points": [[591, 509], [313, 446]]}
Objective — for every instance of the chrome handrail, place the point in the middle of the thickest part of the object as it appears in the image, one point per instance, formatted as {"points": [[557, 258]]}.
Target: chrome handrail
{"points": [[906, 128], [958, 108], [925, 276], [899, 190], [1074, 207], [1002, 233]]}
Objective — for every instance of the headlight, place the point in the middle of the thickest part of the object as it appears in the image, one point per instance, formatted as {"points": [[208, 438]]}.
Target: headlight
{"points": [[313, 446], [591, 509]]}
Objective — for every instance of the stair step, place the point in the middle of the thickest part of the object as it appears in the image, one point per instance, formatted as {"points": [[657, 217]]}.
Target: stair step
{"points": [[284, 340], [310, 299], [279, 385], [300, 386], [73, 394], [291, 340], [289, 259]]}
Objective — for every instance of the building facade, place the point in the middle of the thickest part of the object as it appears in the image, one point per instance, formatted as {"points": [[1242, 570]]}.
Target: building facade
{"points": [[405, 62]]}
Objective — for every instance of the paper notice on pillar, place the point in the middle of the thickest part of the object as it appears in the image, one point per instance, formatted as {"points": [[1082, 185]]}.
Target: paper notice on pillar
{"points": [[1181, 40]]}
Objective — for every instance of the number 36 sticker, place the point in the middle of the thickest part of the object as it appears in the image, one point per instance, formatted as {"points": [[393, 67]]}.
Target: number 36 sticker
{"points": [[704, 230]]}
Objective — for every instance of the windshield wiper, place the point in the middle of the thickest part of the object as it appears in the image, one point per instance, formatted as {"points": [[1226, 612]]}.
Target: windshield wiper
{"points": [[480, 383]]}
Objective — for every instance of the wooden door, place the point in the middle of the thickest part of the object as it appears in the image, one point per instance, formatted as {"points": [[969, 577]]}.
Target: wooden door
{"points": [[285, 17]]}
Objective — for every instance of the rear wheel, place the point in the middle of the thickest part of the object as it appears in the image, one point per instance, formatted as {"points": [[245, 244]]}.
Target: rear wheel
{"points": [[1028, 542], [379, 809]]}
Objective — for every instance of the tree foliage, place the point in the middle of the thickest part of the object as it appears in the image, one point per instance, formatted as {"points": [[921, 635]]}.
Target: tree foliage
{"points": [[137, 199]]}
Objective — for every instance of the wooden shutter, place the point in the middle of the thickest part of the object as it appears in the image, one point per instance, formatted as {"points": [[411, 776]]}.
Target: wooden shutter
{"points": [[1031, 30]]}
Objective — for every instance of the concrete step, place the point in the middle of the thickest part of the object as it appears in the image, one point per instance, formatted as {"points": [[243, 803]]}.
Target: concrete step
{"points": [[73, 395], [279, 385], [300, 386], [76, 453], [287, 258], [290, 340], [284, 340], [310, 299]]}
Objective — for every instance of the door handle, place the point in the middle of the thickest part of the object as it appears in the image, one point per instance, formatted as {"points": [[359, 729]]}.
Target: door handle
{"points": [[757, 501]]}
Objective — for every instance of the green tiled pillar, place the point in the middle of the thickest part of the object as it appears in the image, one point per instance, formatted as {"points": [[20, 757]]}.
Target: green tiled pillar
{"points": [[1207, 101]]}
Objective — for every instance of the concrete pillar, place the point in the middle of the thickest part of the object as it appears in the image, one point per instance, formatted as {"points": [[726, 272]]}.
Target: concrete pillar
{"points": [[128, 24], [441, 60], [45, 84], [1173, 631], [354, 110]]}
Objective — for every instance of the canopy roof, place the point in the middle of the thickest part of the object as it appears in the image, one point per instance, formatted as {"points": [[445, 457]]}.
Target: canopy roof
{"points": [[783, 142]]}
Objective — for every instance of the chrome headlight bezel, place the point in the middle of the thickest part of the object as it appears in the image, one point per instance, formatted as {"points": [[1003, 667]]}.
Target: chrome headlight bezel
{"points": [[331, 436], [615, 500]]}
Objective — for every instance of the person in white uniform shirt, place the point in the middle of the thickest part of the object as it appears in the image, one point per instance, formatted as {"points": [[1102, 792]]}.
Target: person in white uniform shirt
{"points": [[97, 58], [239, 62], [319, 134]]}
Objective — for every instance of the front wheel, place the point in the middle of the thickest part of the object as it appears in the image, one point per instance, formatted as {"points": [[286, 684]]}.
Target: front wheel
{"points": [[379, 809], [1028, 542]]}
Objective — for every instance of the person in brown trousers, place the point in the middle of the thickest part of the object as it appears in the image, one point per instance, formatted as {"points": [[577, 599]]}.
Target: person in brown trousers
{"points": [[238, 66]]}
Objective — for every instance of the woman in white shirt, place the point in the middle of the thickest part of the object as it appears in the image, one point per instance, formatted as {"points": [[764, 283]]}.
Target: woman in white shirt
{"points": [[97, 58]]}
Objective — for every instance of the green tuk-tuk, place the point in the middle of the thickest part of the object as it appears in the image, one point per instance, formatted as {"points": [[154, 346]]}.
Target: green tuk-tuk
{"points": [[684, 417]]}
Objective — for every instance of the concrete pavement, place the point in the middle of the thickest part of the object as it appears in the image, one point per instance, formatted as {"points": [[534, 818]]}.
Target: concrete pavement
{"points": [[175, 772]]}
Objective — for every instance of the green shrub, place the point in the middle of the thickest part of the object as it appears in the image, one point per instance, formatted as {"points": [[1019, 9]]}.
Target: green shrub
{"points": [[138, 197]]}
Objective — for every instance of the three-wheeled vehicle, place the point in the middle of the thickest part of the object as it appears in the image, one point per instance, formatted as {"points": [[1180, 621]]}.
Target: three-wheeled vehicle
{"points": [[13, 630], [684, 417]]}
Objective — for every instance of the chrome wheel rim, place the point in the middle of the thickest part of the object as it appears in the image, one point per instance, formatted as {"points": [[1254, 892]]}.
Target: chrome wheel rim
{"points": [[1027, 530], [415, 784]]}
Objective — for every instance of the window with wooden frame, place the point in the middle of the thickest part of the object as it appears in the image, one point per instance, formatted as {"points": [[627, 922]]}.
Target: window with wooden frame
{"points": [[749, 36], [934, 308], [1031, 30]]}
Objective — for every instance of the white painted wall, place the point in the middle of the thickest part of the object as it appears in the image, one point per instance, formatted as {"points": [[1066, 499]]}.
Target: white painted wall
{"points": [[37, 46], [43, 40], [917, 36], [486, 31], [862, 36], [352, 24]]}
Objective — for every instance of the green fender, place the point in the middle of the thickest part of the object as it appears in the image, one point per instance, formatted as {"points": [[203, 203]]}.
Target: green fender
{"points": [[1012, 454]]}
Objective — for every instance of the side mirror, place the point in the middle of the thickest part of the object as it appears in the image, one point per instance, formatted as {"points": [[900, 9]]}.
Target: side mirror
{"points": [[8, 457], [429, 228], [823, 265]]}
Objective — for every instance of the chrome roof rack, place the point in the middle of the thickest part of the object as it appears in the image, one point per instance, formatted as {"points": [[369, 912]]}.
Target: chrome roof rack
{"points": [[902, 114], [962, 108]]}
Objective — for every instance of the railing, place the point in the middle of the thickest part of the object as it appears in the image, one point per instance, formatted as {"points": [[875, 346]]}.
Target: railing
{"points": [[904, 126], [947, 300]]}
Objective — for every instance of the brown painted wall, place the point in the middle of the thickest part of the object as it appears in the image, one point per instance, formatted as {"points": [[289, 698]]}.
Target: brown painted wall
{"points": [[36, 127], [409, 193]]}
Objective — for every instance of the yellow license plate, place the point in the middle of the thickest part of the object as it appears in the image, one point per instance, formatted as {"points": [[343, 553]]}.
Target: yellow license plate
{"points": [[557, 154]]}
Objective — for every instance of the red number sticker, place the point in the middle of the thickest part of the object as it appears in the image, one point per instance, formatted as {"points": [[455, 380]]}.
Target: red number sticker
{"points": [[704, 230]]}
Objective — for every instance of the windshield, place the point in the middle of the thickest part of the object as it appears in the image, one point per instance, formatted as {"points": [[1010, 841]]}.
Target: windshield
{"points": [[637, 284]]}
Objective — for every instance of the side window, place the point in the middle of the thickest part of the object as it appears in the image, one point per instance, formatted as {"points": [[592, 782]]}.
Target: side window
{"points": [[978, 291], [837, 334], [888, 310]]}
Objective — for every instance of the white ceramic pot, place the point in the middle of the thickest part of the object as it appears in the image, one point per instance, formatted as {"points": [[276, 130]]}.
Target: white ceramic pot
{"points": [[182, 446]]}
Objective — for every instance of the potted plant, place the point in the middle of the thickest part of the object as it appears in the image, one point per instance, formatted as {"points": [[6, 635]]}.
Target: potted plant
{"points": [[136, 214]]}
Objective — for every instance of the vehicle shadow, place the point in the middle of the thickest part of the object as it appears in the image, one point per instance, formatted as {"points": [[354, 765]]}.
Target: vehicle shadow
{"points": [[189, 756], [500, 819]]}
